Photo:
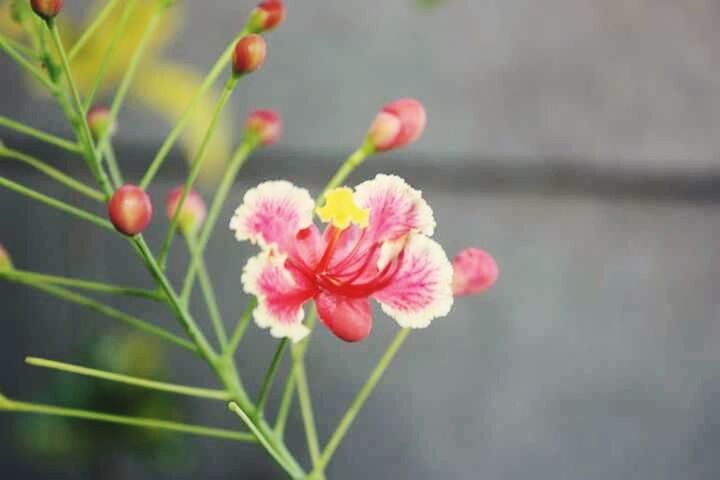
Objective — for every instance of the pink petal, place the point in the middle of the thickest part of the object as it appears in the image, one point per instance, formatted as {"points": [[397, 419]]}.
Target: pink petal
{"points": [[475, 271], [273, 213], [348, 319], [421, 289], [280, 292]]}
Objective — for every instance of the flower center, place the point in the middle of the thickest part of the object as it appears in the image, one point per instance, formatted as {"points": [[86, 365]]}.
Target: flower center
{"points": [[340, 209]]}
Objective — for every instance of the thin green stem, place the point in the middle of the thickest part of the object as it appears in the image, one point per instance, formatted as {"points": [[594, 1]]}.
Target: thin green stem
{"points": [[179, 127], [106, 310], [208, 292], [26, 64], [285, 404], [228, 179], [21, 47], [207, 393], [348, 166], [80, 119], [236, 409], [53, 173], [240, 329], [270, 376], [151, 423], [113, 167], [92, 28], [40, 135], [361, 398], [16, 187], [197, 165], [108, 55], [306, 410]]}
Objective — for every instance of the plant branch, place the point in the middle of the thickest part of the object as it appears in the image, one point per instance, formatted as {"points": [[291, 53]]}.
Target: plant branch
{"points": [[39, 135], [92, 28], [270, 376], [240, 329], [23, 62]]}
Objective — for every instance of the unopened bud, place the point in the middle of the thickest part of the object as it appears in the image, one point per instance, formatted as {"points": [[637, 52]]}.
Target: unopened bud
{"points": [[193, 212], [266, 16], [5, 261], [47, 9], [101, 122], [474, 270], [398, 123], [249, 54], [265, 124], [130, 210]]}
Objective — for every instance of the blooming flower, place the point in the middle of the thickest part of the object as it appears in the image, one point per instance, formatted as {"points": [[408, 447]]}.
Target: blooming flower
{"points": [[377, 244], [475, 271]]}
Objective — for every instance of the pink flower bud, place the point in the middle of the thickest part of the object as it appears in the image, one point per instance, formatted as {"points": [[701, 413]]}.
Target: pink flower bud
{"points": [[267, 15], [47, 9], [193, 210], [266, 124], [130, 210], [249, 54], [5, 261], [474, 272], [101, 122], [399, 123]]}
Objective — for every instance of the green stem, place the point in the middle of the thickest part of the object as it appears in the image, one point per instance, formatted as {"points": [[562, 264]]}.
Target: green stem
{"points": [[23, 62], [175, 133], [113, 166], [33, 277], [26, 50], [106, 310], [285, 404], [151, 423], [40, 135], [208, 293], [306, 410], [16, 187], [84, 134], [221, 395], [348, 166], [92, 28], [361, 398], [238, 160], [197, 165], [270, 376], [240, 329], [53, 173], [108, 55]]}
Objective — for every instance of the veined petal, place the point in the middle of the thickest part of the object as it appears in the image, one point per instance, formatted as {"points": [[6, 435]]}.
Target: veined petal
{"points": [[396, 208], [422, 287], [273, 213], [280, 295], [349, 319]]}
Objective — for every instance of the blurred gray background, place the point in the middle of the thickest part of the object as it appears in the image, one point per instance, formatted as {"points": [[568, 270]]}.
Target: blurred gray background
{"points": [[576, 140]]}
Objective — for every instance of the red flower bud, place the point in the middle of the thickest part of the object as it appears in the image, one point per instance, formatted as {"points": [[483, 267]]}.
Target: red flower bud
{"points": [[249, 54], [5, 261], [266, 16], [193, 210], [101, 122], [399, 123], [474, 272], [130, 210], [47, 9], [266, 124]]}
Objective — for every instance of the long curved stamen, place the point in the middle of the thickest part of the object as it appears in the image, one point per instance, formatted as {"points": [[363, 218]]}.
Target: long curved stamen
{"points": [[350, 256], [335, 232]]}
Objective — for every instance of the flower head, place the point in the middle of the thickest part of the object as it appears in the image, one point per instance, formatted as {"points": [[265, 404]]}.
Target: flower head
{"points": [[100, 121], [130, 210], [249, 54], [266, 124], [267, 15], [47, 9], [5, 260], [193, 210], [399, 123], [376, 245], [474, 272]]}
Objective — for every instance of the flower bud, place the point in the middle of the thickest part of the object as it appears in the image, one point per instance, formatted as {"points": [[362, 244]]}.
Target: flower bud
{"points": [[101, 122], [193, 210], [266, 124], [249, 54], [47, 9], [398, 123], [5, 261], [474, 272], [266, 16], [130, 210]]}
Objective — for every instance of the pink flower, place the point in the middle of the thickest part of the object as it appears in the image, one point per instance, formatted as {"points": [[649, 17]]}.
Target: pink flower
{"points": [[399, 123], [474, 272], [376, 245]]}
